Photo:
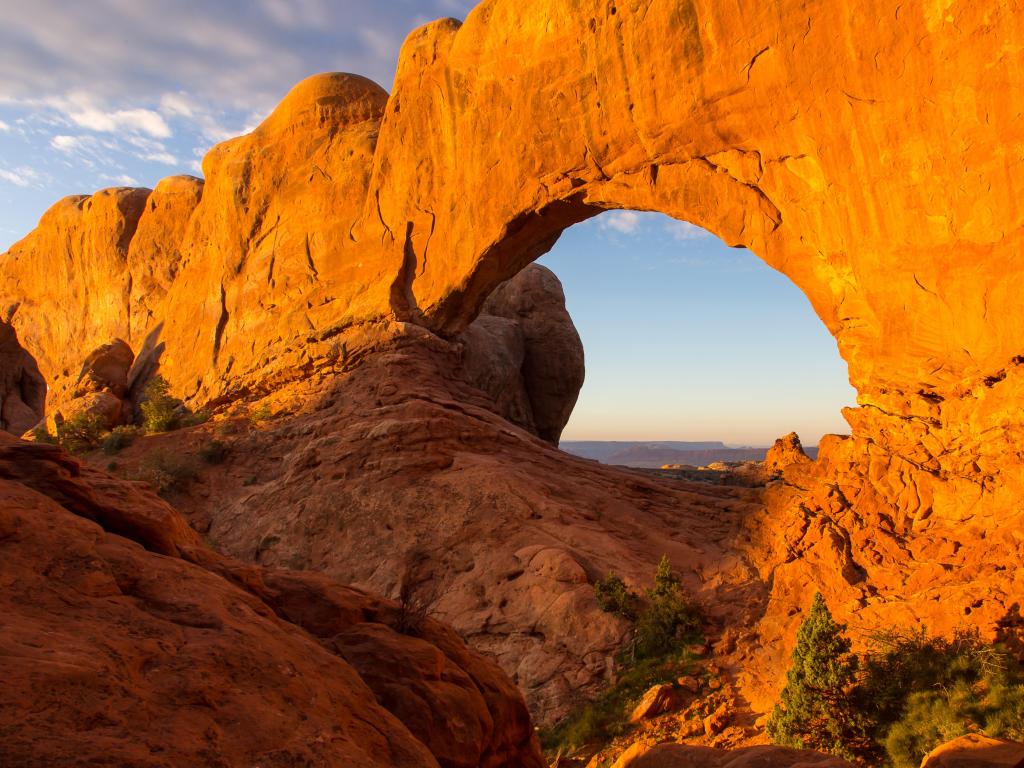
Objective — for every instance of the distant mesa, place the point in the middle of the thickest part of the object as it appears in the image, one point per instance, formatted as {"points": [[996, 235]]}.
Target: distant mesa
{"points": [[652, 455]]}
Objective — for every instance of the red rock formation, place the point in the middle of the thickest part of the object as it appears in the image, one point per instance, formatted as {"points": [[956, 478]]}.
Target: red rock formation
{"points": [[116, 653], [976, 751], [683, 756], [331, 243], [523, 351]]}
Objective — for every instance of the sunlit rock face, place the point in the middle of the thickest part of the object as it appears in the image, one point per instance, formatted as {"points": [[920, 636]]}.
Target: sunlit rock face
{"points": [[870, 154]]}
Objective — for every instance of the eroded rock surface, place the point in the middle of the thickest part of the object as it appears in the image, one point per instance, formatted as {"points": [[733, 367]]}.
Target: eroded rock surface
{"points": [[137, 645], [333, 253]]}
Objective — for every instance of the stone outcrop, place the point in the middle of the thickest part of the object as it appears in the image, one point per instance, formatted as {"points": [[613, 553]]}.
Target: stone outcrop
{"points": [[333, 255], [22, 387], [683, 756], [158, 651], [524, 351], [785, 452], [976, 751]]}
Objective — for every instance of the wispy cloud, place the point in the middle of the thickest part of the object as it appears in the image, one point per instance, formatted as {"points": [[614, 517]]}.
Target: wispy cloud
{"points": [[683, 231], [124, 180], [624, 222], [23, 176], [70, 144], [4, 127]]}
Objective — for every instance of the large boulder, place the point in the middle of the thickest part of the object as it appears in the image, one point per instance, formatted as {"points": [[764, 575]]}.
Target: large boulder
{"points": [[106, 369], [976, 751], [524, 351]]}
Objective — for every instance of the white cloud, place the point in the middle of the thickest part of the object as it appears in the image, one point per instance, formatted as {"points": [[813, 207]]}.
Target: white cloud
{"points": [[69, 144], [124, 180], [625, 222], [684, 231], [142, 121], [294, 14], [177, 104], [4, 127], [19, 177], [199, 116], [160, 157]]}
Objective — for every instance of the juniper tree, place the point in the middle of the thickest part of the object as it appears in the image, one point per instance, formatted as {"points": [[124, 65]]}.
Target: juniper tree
{"points": [[817, 708]]}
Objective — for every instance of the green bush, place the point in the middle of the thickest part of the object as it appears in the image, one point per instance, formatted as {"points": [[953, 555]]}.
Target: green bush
{"points": [[263, 413], [921, 691], [607, 716], [160, 411], [214, 452], [817, 708], [42, 435], [166, 473], [908, 695], [81, 433], [669, 619], [667, 622], [614, 597], [118, 439]]}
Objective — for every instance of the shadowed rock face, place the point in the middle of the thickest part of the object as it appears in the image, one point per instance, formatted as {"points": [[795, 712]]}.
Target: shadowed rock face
{"points": [[22, 387], [524, 351], [832, 142]]}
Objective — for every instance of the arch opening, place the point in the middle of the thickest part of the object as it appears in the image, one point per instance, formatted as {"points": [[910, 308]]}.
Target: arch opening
{"points": [[694, 349]]}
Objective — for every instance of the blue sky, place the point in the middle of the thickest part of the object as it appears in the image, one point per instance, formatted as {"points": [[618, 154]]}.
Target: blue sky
{"points": [[685, 339], [688, 339]]}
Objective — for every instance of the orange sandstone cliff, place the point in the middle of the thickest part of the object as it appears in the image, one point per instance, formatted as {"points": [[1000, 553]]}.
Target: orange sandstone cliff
{"points": [[336, 262]]}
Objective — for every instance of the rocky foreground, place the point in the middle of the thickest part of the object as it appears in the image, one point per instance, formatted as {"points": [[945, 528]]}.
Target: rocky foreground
{"points": [[355, 272]]}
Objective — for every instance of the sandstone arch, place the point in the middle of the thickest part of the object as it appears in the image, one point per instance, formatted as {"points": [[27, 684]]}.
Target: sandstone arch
{"points": [[809, 134], [863, 152]]}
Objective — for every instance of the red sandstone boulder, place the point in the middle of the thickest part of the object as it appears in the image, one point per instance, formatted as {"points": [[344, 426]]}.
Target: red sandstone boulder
{"points": [[523, 350], [106, 369], [657, 701], [976, 751], [684, 756]]}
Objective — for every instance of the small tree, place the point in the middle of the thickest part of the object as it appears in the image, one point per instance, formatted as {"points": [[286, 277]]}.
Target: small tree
{"points": [[613, 596], [160, 411], [81, 433], [817, 708], [670, 618]]}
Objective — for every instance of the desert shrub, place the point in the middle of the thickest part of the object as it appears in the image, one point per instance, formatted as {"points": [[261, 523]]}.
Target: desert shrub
{"points": [[166, 473], [607, 716], [42, 435], [667, 623], [81, 433], [818, 707], [118, 439], [160, 411], [263, 413], [214, 452], [613, 596], [921, 691], [669, 619], [415, 593]]}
